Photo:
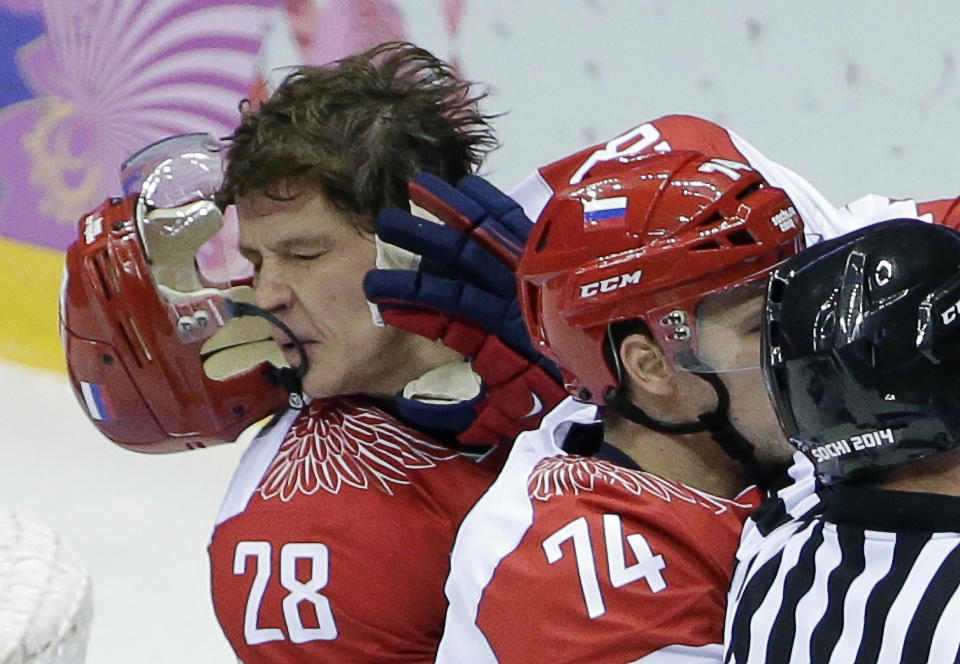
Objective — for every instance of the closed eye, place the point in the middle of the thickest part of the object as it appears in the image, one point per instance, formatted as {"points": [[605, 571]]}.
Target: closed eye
{"points": [[304, 250], [307, 256]]}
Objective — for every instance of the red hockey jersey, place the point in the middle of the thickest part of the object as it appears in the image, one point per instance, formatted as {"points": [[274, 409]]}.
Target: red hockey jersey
{"points": [[822, 220], [570, 559], [333, 542], [574, 560]]}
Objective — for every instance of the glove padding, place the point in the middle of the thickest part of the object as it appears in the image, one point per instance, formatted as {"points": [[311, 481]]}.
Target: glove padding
{"points": [[464, 295]]}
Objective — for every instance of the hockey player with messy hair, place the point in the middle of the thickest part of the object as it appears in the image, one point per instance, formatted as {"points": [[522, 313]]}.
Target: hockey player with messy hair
{"points": [[367, 502], [333, 540], [359, 131]]}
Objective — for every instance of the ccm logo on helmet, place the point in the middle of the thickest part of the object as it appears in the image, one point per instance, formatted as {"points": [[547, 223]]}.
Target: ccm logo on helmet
{"points": [[949, 315], [611, 284]]}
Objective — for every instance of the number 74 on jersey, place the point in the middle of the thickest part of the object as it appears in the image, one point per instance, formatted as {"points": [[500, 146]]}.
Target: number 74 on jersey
{"points": [[647, 566]]}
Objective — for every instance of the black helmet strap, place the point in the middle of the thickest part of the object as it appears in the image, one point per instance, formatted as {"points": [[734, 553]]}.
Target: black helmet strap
{"points": [[289, 378], [716, 422]]}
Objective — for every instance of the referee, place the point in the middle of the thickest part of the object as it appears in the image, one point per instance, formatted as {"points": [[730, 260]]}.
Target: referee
{"points": [[857, 558]]}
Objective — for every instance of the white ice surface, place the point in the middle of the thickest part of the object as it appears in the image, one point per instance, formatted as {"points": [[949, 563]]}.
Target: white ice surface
{"points": [[139, 522]]}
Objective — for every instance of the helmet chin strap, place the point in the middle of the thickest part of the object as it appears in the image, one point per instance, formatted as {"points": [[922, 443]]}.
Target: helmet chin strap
{"points": [[716, 422], [290, 378]]}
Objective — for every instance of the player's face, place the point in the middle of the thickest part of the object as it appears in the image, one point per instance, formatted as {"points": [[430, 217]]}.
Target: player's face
{"points": [[310, 261], [728, 332]]}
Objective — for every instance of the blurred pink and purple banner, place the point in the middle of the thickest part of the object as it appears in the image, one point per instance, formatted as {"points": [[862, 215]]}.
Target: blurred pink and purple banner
{"points": [[85, 83]]}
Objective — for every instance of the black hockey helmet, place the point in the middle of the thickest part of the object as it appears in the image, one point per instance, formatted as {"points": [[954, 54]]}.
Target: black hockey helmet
{"points": [[861, 347]]}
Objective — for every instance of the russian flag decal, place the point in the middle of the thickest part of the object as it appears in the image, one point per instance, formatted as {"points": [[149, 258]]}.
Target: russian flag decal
{"points": [[96, 402], [604, 209]]}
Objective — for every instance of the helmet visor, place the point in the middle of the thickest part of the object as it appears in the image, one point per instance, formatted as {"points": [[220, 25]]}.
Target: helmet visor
{"points": [[174, 171], [191, 248], [717, 331], [189, 241], [729, 325]]}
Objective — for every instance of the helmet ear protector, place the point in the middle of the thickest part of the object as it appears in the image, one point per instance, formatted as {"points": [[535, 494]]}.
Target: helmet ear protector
{"points": [[861, 347]]}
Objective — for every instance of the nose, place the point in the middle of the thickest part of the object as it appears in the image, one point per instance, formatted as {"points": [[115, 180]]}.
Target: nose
{"points": [[272, 290]]}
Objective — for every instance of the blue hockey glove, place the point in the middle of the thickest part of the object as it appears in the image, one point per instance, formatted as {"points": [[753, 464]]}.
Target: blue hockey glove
{"points": [[464, 294]]}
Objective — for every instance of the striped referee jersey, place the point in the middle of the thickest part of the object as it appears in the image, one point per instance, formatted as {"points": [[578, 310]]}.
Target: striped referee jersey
{"points": [[846, 574]]}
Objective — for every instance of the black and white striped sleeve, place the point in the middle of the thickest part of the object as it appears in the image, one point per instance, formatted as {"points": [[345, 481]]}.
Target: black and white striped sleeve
{"points": [[858, 575]]}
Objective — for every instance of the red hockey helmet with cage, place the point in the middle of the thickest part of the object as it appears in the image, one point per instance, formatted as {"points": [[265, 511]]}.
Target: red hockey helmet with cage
{"points": [[645, 237], [159, 369]]}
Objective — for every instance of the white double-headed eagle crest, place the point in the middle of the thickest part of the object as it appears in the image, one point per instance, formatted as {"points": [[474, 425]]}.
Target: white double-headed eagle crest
{"points": [[345, 442], [572, 475]]}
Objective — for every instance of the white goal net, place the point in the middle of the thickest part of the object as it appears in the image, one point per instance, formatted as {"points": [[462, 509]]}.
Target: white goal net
{"points": [[45, 596]]}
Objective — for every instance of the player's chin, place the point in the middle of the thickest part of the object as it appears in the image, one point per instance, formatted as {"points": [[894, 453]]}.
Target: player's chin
{"points": [[324, 381], [318, 390]]}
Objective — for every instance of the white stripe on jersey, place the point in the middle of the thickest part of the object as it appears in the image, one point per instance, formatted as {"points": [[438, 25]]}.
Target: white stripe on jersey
{"points": [[773, 600], [677, 654], [533, 193], [253, 464], [800, 497], [813, 606], [872, 208], [900, 618], [756, 548], [809, 589], [880, 558], [479, 548], [821, 219]]}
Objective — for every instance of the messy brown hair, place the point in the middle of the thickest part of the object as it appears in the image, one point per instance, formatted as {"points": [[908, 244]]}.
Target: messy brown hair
{"points": [[358, 129]]}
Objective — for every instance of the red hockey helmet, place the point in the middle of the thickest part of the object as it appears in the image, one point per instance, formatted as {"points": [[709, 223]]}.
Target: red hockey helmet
{"points": [[154, 355], [645, 237]]}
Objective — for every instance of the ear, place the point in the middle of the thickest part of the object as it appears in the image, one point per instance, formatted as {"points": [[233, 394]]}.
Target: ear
{"points": [[646, 365]]}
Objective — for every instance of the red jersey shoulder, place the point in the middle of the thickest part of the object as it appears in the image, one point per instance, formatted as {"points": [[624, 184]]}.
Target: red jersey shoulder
{"points": [[616, 565], [945, 211], [342, 550], [670, 132], [686, 132]]}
